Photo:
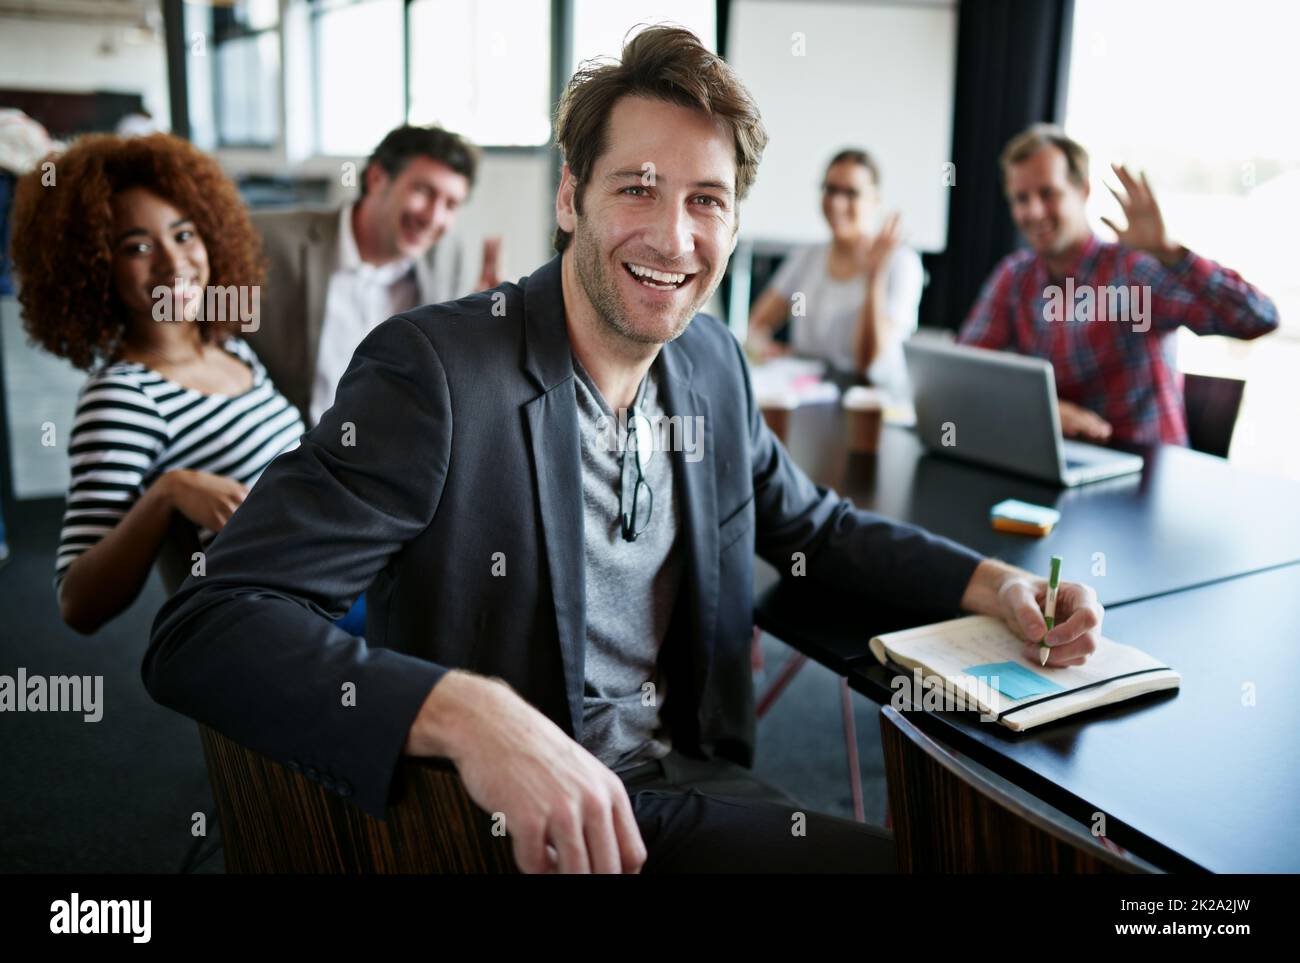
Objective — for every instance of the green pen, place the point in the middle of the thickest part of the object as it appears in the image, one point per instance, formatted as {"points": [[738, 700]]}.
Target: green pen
{"points": [[1053, 583]]}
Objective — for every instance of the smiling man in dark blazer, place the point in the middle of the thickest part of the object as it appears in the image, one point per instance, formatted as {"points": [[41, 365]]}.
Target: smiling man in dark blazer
{"points": [[568, 622]]}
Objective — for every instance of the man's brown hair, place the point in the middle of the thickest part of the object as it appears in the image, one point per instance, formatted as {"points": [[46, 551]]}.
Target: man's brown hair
{"points": [[1029, 142], [402, 144], [664, 63]]}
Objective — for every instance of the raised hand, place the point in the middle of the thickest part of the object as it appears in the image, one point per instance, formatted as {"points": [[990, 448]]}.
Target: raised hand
{"points": [[1145, 230], [489, 276], [874, 252]]}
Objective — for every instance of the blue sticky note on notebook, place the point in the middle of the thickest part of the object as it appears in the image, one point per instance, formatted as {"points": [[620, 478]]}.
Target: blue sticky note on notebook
{"points": [[1013, 680]]}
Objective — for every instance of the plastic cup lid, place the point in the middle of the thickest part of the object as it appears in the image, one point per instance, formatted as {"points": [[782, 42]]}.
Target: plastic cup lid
{"points": [[859, 398]]}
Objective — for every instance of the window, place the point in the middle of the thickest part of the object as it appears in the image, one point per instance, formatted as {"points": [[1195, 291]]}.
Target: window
{"points": [[355, 69], [358, 69], [1201, 97], [494, 83], [601, 26], [248, 69], [233, 59]]}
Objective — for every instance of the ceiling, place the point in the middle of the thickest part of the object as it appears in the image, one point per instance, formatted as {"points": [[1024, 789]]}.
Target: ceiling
{"points": [[123, 12]]}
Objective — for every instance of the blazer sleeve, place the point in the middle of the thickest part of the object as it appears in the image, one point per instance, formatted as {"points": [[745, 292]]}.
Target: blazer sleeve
{"points": [[250, 647], [855, 551]]}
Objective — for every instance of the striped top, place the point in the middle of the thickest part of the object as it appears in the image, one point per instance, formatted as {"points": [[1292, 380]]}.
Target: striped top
{"points": [[132, 425]]}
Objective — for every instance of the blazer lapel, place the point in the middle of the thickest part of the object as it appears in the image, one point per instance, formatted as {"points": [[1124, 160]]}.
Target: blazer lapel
{"points": [[553, 437], [696, 482]]}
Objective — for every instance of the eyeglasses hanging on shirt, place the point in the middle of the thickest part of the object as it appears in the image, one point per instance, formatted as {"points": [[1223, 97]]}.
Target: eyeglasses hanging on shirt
{"points": [[636, 500]]}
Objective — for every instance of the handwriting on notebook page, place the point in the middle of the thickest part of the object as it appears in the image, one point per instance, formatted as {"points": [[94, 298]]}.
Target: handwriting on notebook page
{"points": [[948, 649]]}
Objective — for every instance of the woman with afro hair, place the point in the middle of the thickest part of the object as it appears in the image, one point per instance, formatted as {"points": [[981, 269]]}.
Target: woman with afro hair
{"points": [[120, 245]]}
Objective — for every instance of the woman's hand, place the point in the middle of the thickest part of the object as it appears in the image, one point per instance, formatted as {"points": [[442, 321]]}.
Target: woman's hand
{"points": [[762, 349], [874, 253], [206, 499]]}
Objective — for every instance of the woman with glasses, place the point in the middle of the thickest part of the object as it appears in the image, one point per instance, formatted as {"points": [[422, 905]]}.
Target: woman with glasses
{"points": [[852, 300], [137, 262]]}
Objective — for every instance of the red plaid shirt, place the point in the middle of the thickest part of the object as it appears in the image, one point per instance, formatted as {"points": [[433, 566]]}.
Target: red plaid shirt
{"points": [[1127, 376]]}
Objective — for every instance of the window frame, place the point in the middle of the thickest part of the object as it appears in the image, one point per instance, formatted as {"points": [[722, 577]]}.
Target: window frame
{"points": [[224, 30]]}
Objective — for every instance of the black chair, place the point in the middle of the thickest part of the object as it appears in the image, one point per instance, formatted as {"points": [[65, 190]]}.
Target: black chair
{"points": [[277, 821], [272, 820], [1212, 405]]}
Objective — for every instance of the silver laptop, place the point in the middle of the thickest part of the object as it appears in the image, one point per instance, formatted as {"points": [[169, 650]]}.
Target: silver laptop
{"points": [[999, 409]]}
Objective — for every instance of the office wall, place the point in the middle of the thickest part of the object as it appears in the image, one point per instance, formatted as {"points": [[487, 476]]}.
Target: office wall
{"points": [[58, 55], [515, 198], [876, 74]]}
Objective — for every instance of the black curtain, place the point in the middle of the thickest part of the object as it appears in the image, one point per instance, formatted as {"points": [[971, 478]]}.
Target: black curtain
{"points": [[1012, 62]]}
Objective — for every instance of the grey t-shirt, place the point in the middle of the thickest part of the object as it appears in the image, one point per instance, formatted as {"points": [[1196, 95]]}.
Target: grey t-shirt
{"points": [[631, 586]]}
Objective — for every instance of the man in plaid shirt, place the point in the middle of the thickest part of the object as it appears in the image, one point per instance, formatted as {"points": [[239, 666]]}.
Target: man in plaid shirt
{"points": [[1104, 314]]}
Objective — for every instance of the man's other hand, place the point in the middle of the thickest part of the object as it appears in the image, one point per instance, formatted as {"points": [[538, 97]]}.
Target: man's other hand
{"points": [[564, 810], [1079, 422]]}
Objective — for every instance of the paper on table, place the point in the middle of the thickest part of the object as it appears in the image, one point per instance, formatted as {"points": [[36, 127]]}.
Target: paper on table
{"points": [[790, 382]]}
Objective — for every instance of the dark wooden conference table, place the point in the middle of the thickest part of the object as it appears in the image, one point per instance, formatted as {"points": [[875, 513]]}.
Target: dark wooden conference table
{"points": [[1201, 569]]}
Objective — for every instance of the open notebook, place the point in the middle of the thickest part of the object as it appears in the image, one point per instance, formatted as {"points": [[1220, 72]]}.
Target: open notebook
{"points": [[981, 667]]}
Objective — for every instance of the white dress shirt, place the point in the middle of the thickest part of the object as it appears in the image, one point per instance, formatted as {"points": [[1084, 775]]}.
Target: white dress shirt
{"points": [[360, 297]]}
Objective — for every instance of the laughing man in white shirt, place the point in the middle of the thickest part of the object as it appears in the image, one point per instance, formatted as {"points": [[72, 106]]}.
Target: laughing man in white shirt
{"points": [[333, 275]]}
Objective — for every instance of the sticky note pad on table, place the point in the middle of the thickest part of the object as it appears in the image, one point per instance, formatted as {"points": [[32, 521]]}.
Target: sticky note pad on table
{"points": [[1013, 680], [1013, 515]]}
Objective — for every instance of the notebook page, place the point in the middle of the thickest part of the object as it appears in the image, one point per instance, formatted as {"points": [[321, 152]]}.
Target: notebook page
{"points": [[950, 648]]}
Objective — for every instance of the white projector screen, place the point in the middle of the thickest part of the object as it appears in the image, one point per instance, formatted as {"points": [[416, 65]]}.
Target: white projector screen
{"points": [[876, 75]]}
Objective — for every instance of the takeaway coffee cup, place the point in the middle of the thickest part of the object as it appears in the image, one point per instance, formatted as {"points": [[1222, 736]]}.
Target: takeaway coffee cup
{"points": [[864, 412], [776, 408]]}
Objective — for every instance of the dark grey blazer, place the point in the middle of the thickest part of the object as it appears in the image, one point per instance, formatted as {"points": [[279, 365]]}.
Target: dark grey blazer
{"points": [[454, 437]]}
